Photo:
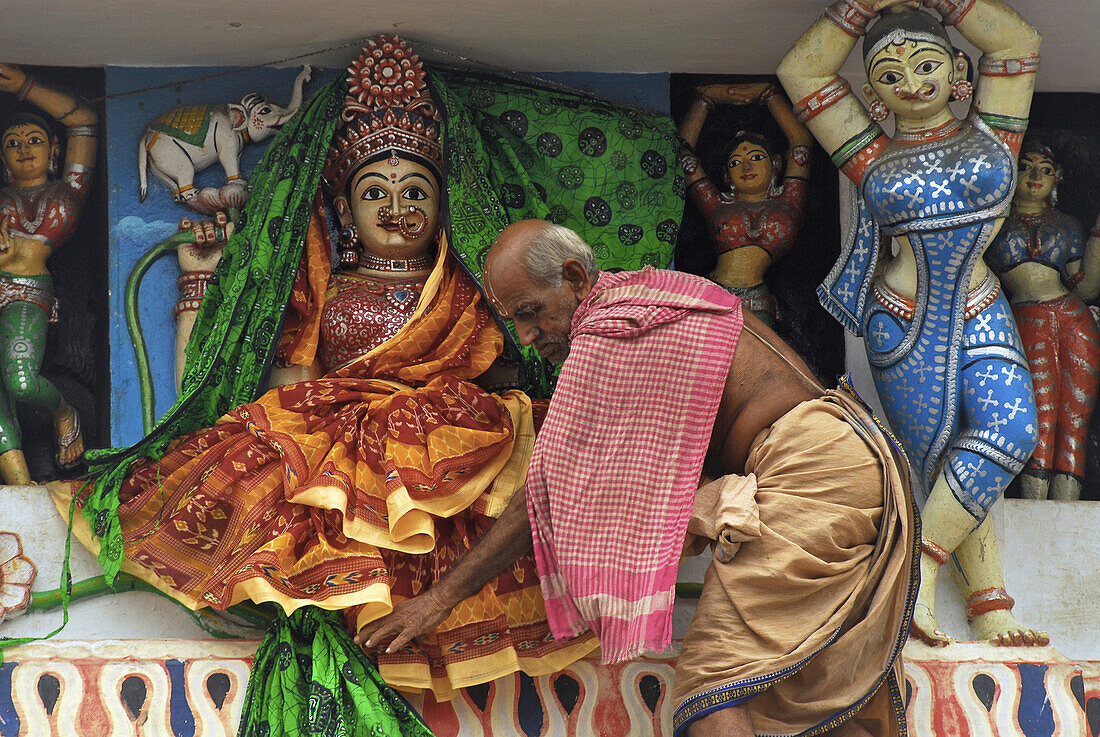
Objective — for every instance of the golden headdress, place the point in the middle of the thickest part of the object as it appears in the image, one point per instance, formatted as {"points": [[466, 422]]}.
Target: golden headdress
{"points": [[388, 109]]}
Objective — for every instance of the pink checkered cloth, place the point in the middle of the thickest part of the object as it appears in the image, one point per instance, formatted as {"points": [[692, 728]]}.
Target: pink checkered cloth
{"points": [[617, 462]]}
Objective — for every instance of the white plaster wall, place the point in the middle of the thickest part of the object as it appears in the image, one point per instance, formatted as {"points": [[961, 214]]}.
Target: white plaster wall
{"points": [[1051, 552], [28, 512]]}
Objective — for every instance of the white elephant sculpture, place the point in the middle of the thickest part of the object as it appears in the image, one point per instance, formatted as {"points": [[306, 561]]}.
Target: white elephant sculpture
{"points": [[191, 138]]}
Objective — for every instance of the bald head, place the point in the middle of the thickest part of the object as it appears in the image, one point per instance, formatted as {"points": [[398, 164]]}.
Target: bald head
{"points": [[535, 274], [543, 248]]}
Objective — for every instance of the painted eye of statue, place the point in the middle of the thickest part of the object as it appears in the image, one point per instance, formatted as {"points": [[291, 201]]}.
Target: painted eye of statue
{"points": [[1048, 171], [929, 66], [264, 110], [757, 157], [375, 193], [11, 143], [889, 77], [733, 163], [415, 193]]}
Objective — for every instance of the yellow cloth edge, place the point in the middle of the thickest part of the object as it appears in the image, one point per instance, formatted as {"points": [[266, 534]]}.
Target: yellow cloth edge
{"points": [[415, 677]]}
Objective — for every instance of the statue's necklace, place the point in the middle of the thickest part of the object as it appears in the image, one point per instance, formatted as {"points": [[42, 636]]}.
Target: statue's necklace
{"points": [[376, 263], [929, 134]]}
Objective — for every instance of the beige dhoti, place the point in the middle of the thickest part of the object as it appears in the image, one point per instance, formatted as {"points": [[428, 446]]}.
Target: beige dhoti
{"points": [[806, 605]]}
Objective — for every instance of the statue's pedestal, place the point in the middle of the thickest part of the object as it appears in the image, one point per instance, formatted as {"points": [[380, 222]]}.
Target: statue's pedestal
{"points": [[137, 663], [979, 690]]}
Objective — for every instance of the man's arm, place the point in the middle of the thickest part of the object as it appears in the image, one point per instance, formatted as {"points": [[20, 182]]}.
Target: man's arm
{"points": [[501, 546]]}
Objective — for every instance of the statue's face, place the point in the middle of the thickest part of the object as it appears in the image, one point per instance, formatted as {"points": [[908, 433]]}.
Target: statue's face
{"points": [[26, 152], [395, 208], [1037, 178], [749, 169], [913, 78]]}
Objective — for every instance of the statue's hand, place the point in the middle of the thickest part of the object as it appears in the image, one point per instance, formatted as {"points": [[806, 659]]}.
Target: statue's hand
{"points": [[732, 94], [878, 6], [12, 78], [7, 240], [409, 619], [210, 239]]}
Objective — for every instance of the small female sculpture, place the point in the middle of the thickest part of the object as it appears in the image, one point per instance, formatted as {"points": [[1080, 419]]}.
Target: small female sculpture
{"points": [[38, 213], [1041, 257], [940, 338], [757, 221]]}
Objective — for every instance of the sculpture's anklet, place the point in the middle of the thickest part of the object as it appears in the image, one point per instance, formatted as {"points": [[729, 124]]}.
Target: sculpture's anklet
{"points": [[993, 599], [934, 551]]}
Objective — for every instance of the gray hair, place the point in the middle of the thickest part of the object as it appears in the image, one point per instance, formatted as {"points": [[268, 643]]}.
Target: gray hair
{"points": [[550, 249]]}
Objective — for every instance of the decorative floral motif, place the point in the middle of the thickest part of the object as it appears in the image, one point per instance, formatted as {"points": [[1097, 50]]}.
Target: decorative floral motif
{"points": [[17, 573]]}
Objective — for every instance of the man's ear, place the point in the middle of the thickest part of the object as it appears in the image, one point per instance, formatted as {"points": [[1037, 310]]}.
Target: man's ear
{"points": [[574, 273]]}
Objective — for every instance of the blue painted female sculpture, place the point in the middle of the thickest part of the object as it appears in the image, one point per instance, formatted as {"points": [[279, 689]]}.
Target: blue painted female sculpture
{"points": [[940, 338]]}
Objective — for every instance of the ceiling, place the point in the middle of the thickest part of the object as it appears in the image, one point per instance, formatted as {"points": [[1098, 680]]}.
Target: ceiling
{"points": [[717, 36]]}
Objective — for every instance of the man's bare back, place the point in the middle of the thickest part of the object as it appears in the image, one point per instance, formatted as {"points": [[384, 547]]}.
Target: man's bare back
{"points": [[760, 388]]}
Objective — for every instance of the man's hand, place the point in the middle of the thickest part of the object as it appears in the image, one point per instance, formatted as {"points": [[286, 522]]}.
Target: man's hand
{"points": [[408, 620]]}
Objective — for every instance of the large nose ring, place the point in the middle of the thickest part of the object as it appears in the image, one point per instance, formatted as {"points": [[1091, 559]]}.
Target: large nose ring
{"points": [[411, 223]]}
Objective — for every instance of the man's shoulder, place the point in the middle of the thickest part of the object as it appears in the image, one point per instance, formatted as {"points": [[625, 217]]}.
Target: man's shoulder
{"points": [[665, 279]]}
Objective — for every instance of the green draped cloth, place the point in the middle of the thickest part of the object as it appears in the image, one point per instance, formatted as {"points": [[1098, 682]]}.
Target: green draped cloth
{"points": [[310, 678], [238, 324], [511, 151]]}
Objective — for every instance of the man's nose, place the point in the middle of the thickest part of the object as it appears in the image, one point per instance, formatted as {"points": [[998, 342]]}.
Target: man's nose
{"points": [[526, 333]]}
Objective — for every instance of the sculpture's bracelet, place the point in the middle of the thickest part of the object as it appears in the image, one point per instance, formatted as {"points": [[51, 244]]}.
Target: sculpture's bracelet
{"points": [[814, 103], [935, 552], [951, 11], [768, 92], [850, 16], [688, 161], [706, 101], [1077, 277], [1008, 67], [993, 599], [801, 155], [192, 286], [28, 83], [86, 131]]}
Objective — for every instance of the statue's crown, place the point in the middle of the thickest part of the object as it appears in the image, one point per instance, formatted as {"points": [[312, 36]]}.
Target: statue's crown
{"points": [[387, 109]]}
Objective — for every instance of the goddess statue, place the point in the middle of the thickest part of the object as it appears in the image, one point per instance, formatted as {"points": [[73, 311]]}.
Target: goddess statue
{"points": [[357, 486], [942, 345], [757, 220], [38, 213], [1042, 258]]}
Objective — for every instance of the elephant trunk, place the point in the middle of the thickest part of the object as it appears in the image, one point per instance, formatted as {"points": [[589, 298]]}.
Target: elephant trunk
{"points": [[296, 96]]}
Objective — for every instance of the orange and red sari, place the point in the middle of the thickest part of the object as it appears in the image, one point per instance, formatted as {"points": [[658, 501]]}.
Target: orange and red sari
{"points": [[355, 491]]}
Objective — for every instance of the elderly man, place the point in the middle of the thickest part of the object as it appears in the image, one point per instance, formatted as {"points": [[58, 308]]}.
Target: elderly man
{"points": [[665, 381]]}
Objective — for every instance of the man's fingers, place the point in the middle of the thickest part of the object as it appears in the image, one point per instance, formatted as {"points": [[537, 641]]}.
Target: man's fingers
{"points": [[368, 630], [402, 639]]}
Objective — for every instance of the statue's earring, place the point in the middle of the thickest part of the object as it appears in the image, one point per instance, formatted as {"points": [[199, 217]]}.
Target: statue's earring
{"points": [[55, 159], [1053, 199], [349, 247], [961, 89], [878, 110]]}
